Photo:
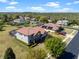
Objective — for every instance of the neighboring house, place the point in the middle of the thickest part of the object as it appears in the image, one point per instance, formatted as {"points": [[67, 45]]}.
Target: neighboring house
{"points": [[49, 19], [34, 21], [51, 27], [27, 18], [20, 20], [63, 22], [30, 35]]}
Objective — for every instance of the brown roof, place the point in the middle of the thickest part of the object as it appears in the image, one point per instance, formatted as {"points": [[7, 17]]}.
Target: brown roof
{"points": [[54, 26], [30, 30]]}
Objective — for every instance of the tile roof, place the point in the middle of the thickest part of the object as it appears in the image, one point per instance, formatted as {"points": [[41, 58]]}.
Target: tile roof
{"points": [[54, 26], [30, 30]]}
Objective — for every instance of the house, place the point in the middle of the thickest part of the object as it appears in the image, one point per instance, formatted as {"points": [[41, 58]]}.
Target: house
{"points": [[34, 21], [19, 20], [49, 19], [30, 35], [51, 27], [27, 18], [63, 22]]}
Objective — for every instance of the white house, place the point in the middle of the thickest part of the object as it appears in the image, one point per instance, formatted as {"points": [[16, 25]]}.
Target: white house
{"points": [[63, 22], [19, 20], [30, 35]]}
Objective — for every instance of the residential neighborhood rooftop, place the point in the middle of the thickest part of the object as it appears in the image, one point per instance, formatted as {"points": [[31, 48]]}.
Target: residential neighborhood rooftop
{"points": [[54, 26], [30, 30]]}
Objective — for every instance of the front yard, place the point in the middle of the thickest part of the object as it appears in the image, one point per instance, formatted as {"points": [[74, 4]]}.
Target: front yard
{"points": [[68, 30]]}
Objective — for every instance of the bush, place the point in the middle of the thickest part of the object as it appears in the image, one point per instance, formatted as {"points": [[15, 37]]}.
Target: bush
{"points": [[55, 46], [1, 25], [9, 54]]}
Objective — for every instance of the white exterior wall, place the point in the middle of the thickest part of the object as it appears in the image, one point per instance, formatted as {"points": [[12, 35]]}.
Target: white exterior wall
{"points": [[47, 30], [22, 37]]}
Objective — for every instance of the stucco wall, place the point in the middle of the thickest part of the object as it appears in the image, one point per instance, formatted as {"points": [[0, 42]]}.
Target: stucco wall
{"points": [[22, 37]]}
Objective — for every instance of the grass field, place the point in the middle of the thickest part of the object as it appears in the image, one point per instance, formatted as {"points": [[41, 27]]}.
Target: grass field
{"points": [[7, 41], [18, 47]]}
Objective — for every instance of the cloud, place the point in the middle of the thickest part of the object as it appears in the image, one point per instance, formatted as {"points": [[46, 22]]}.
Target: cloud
{"points": [[13, 3], [3, 1], [37, 9], [71, 3], [10, 7], [76, 2], [52, 4], [64, 10], [68, 3]]}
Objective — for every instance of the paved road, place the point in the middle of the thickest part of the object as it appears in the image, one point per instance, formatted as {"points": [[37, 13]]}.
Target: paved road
{"points": [[72, 50]]}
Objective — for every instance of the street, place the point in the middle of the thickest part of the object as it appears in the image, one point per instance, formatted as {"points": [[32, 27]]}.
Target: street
{"points": [[72, 50]]}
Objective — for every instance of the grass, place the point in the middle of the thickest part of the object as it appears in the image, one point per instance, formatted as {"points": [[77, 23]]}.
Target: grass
{"points": [[54, 34], [68, 30], [19, 48], [6, 41]]}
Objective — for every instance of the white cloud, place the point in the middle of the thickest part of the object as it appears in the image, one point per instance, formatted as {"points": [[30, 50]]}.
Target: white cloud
{"points": [[3, 1], [64, 10], [37, 9], [68, 3], [53, 4], [71, 3], [13, 3], [76, 2], [10, 7]]}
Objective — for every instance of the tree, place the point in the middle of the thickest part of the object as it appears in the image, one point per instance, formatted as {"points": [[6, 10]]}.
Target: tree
{"points": [[9, 54], [29, 15], [5, 18], [36, 54], [44, 19], [1, 25], [38, 18], [55, 46]]}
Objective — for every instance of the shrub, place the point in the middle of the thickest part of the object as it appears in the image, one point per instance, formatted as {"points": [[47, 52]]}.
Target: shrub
{"points": [[55, 46], [9, 54]]}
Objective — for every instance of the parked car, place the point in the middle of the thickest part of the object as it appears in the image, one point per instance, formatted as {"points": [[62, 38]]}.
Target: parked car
{"points": [[62, 33]]}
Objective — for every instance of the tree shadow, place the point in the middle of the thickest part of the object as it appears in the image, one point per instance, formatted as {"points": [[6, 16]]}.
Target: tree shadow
{"points": [[67, 55]]}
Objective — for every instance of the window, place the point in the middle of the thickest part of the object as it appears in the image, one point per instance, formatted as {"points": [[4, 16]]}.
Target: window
{"points": [[50, 28], [44, 26]]}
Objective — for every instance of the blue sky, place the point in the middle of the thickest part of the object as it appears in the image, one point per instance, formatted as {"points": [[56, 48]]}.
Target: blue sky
{"points": [[39, 5]]}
